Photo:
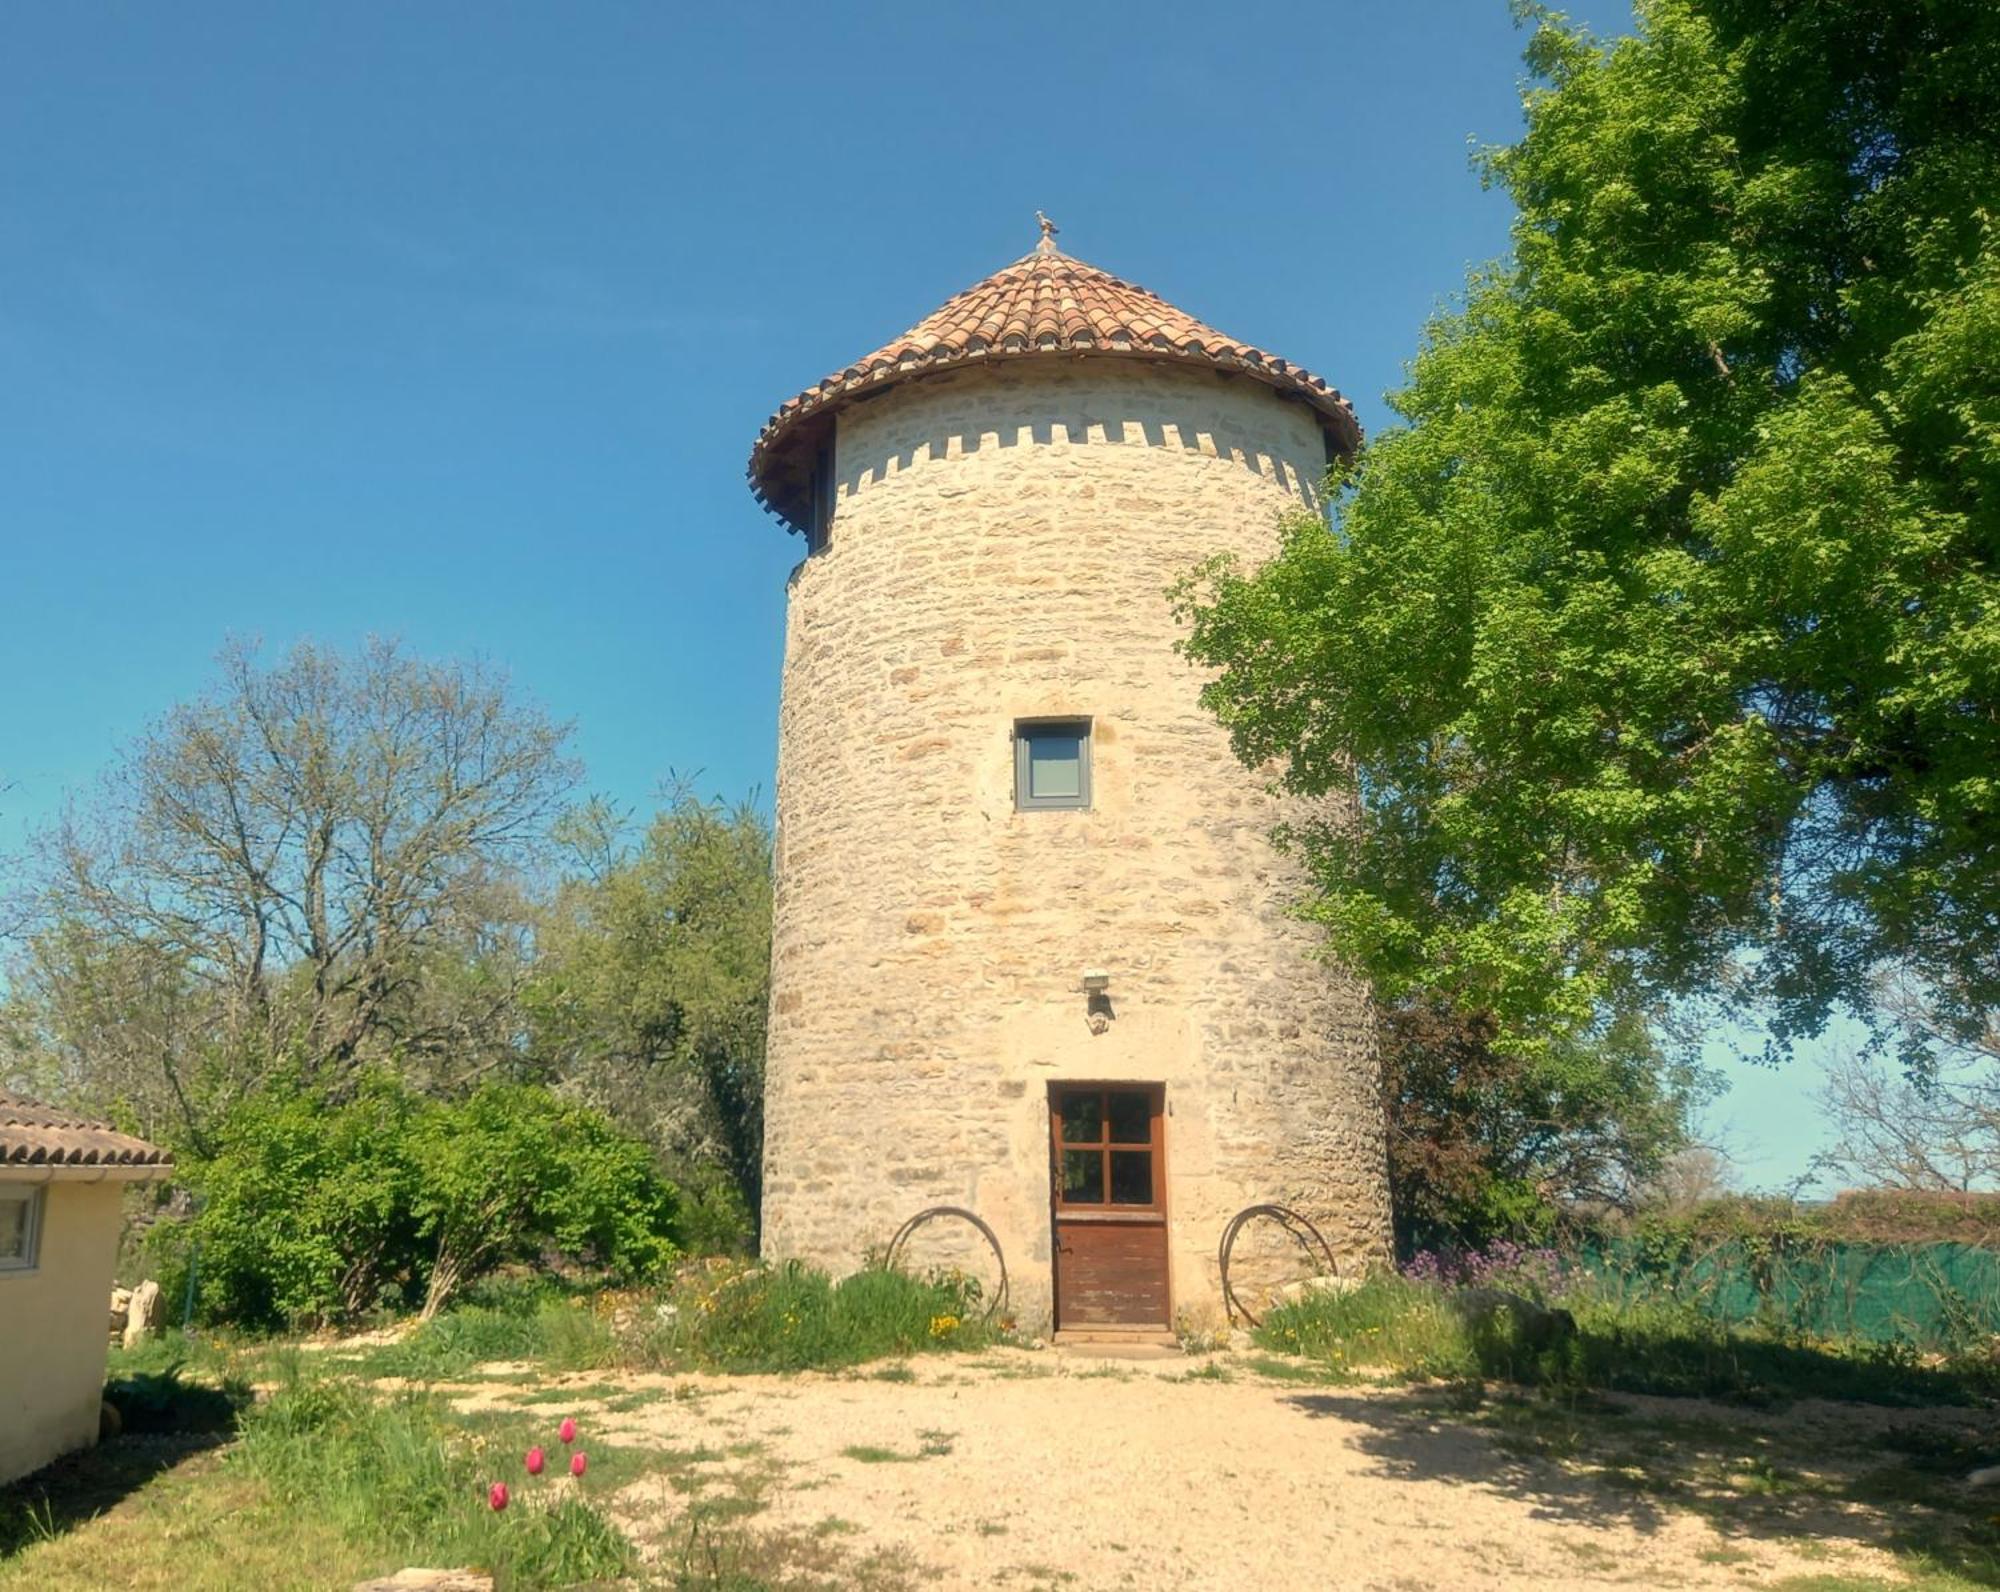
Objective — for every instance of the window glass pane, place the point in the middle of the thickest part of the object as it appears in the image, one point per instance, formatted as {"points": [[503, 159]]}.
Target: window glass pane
{"points": [[14, 1229], [1055, 765], [1083, 1118], [1131, 1177], [1131, 1117], [1083, 1177]]}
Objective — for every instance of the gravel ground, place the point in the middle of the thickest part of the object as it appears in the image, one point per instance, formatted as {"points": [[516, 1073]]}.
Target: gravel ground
{"points": [[1029, 1469]]}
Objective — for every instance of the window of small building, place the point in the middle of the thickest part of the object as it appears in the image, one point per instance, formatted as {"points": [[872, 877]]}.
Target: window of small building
{"points": [[20, 1227], [1052, 763]]}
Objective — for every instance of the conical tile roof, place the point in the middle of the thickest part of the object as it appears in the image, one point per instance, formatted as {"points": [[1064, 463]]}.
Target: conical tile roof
{"points": [[1045, 303]]}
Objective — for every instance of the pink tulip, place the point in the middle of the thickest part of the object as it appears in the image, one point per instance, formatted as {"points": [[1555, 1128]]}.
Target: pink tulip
{"points": [[567, 1431], [577, 1463], [534, 1462], [496, 1496]]}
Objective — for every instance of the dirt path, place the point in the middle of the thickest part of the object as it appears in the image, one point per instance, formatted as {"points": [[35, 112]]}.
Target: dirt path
{"points": [[1024, 1470]]}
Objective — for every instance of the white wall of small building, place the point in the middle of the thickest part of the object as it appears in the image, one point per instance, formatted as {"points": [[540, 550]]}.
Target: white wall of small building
{"points": [[54, 1328]]}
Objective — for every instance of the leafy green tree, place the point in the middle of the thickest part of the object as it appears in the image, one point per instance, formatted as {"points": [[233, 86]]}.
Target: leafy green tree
{"points": [[1661, 638], [653, 977], [1485, 1145]]}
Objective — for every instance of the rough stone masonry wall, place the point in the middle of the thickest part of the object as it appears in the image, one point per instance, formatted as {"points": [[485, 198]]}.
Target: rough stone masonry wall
{"points": [[1000, 550]]}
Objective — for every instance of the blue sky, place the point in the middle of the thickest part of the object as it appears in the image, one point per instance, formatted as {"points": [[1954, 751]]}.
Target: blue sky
{"points": [[456, 322]]}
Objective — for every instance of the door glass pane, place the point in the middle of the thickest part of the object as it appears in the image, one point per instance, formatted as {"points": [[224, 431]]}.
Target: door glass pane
{"points": [[1131, 1117], [1083, 1118], [1131, 1177], [1083, 1177], [1055, 764]]}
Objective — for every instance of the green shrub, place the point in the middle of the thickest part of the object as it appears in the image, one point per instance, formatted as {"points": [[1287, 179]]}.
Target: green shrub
{"points": [[513, 1169], [312, 1210], [733, 1317], [305, 1208]]}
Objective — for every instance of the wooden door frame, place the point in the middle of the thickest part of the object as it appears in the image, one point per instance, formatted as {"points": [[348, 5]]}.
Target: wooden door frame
{"points": [[1156, 1214]]}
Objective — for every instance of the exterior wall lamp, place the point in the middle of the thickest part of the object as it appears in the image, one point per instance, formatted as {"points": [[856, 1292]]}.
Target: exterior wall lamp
{"points": [[1097, 1010]]}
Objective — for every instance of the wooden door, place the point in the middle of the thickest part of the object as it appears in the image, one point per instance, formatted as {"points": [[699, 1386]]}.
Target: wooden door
{"points": [[1108, 1173]]}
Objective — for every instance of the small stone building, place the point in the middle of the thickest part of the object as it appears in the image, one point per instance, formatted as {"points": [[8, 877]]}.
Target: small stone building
{"points": [[61, 1178], [1032, 952]]}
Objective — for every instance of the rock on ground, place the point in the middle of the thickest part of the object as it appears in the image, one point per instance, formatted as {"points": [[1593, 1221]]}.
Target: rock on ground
{"points": [[146, 1313]]}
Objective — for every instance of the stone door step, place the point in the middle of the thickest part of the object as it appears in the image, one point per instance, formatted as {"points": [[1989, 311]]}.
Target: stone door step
{"points": [[1123, 1343]]}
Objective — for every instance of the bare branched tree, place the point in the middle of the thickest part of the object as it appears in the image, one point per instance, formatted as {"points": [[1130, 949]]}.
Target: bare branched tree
{"points": [[321, 859], [1929, 1119], [1691, 1177]]}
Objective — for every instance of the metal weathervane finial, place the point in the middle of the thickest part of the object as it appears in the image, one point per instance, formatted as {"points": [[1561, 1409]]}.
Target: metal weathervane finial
{"points": [[1049, 231]]}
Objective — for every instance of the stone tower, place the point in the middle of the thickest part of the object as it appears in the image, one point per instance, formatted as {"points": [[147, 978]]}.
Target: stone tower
{"points": [[1032, 954]]}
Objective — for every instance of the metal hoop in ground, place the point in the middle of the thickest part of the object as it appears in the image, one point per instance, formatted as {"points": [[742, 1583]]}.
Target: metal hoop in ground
{"points": [[923, 1218], [1292, 1221]]}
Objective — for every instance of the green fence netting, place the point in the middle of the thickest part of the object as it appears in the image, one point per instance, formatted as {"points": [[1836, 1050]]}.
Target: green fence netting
{"points": [[1935, 1296]]}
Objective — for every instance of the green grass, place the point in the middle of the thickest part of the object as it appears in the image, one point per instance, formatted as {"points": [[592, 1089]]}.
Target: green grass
{"points": [[406, 1478], [168, 1419], [794, 1318], [1915, 1575], [1208, 1371], [931, 1445], [325, 1482], [875, 1454], [555, 1335], [1391, 1328], [144, 1517], [712, 1554], [599, 1393], [204, 1355]]}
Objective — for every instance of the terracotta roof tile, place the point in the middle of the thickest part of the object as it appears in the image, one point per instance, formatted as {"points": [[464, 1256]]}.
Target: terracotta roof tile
{"points": [[1046, 302], [38, 1135]]}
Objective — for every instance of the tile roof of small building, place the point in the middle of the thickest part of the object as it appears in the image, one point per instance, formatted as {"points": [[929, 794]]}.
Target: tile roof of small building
{"points": [[1046, 302], [41, 1136]]}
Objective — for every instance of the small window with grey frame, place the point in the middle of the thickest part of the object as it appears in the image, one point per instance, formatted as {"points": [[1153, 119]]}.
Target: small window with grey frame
{"points": [[1051, 763], [20, 1226]]}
